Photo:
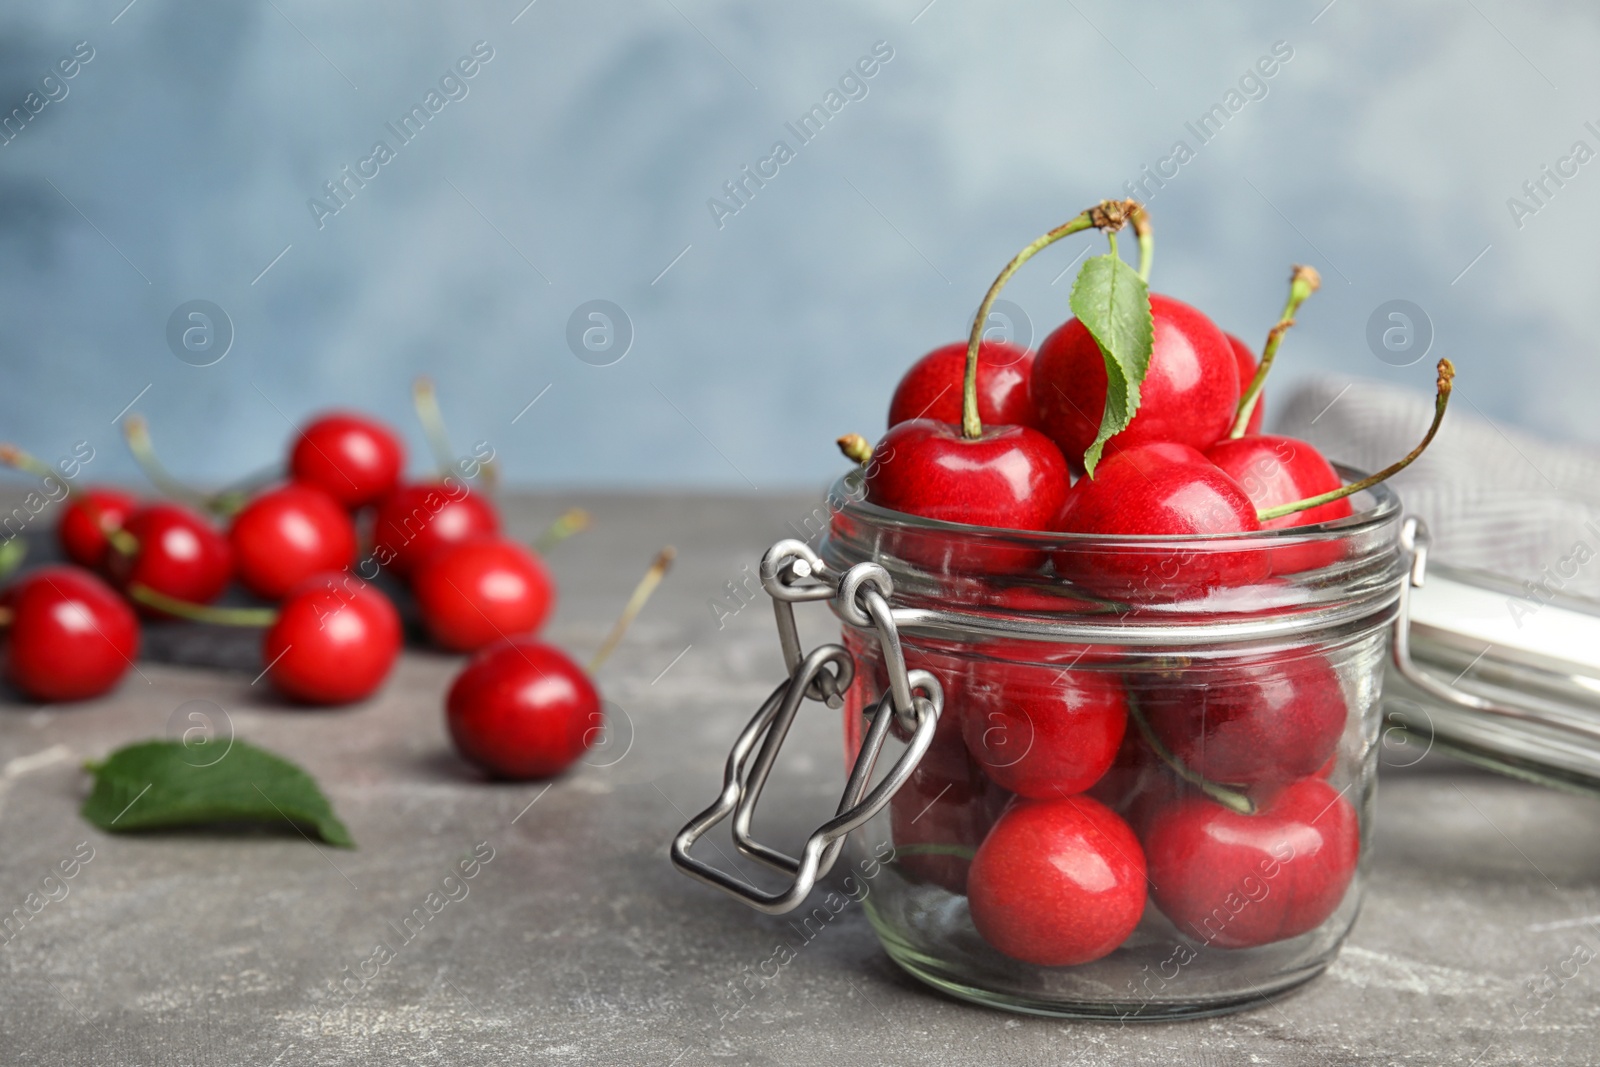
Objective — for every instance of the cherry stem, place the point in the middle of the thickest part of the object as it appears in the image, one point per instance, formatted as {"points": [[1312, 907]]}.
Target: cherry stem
{"points": [[1447, 374], [187, 609], [16, 458], [13, 550], [137, 433], [641, 593], [573, 521], [1303, 281], [231, 498], [855, 448], [1109, 215], [425, 399], [1228, 798]]}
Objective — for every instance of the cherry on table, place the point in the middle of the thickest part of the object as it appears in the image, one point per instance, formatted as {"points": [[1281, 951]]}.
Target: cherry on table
{"points": [[1057, 882], [479, 591], [285, 535], [176, 553], [1188, 395], [523, 709], [68, 635], [417, 520], [932, 388], [1239, 881], [90, 517], [334, 640], [355, 459]]}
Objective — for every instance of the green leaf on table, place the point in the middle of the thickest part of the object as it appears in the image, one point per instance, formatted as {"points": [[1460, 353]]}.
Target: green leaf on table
{"points": [[164, 784], [1113, 302]]}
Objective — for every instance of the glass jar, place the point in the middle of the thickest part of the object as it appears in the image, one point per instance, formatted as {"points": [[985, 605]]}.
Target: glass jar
{"points": [[1148, 791]]}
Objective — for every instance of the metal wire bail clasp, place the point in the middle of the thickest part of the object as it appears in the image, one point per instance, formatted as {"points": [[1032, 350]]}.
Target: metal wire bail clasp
{"points": [[792, 572]]}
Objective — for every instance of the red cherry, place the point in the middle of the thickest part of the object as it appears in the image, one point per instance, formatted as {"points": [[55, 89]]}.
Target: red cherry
{"points": [[334, 641], [1010, 478], [523, 709], [71, 637], [1247, 372], [286, 535], [354, 459], [1275, 470], [89, 514], [179, 554], [417, 520], [1238, 881], [931, 389], [1158, 490], [1271, 720], [480, 591], [1043, 731], [1057, 882], [1188, 396]]}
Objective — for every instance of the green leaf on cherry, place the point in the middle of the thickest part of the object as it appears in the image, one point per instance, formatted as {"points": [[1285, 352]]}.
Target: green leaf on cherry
{"points": [[1113, 302], [158, 785]]}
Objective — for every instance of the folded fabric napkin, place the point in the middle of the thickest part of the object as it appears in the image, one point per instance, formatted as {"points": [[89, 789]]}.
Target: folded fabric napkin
{"points": [[1494, 499]]}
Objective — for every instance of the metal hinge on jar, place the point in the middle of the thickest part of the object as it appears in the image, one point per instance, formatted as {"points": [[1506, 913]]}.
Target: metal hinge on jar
{"points": [[791, 572]]}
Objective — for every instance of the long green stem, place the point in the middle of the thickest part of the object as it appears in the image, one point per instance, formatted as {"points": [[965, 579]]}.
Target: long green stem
{"points": [[1228, 798], [641, 593], [1303, 281], [120, 539], [185, 609], [574, 520], [137, 432], [1109, 215], [1447, 374], [426, 401]]}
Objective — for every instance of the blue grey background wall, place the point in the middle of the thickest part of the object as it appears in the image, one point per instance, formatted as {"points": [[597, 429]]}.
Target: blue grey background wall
{"points": [[689, 242]]}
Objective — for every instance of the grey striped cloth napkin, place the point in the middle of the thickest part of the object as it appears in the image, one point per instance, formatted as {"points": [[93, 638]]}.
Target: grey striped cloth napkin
{"points": [[1495, 499]]}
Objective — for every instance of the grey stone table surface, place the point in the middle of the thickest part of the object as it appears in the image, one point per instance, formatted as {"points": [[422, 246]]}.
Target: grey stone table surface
{"points": [[578, 944]]}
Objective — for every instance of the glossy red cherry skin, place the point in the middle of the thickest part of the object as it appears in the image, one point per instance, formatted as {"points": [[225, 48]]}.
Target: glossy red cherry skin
{"points": [[1043, 731], [1057, 882], [1188, 396], [1011, 477], [523, 709], [1248, 366], [179, 554], [71, 636], [354, 459], [89, 514], [480, 591], [1238, 881], [1159, 490], [1276, 470], [334, 642], [932, 388], [418, 520], [286, 535], [1269, 721]]}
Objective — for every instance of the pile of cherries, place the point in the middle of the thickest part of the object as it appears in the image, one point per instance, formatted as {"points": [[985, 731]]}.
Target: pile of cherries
{"points": [[309, 547], [1066, 785]]}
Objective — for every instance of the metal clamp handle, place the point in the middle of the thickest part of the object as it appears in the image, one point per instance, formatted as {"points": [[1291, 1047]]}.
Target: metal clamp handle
{"points": [[1414, 540], [792, 572]]}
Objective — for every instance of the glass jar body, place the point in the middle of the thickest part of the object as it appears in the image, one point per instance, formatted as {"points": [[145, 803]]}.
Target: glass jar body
{"points": [[1143, 803]]}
